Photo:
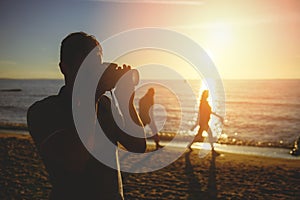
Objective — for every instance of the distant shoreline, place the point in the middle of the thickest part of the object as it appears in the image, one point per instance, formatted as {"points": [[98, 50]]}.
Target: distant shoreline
{"points": [[262, 151], [13, 126], [20, 128]]}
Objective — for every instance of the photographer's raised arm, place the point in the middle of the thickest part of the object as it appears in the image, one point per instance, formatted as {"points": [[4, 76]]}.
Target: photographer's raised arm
{"points": [[115, 133], [136, 127]]}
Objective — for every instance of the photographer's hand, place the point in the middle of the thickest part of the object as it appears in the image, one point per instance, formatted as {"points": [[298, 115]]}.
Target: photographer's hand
{"points": [[124, 92]]}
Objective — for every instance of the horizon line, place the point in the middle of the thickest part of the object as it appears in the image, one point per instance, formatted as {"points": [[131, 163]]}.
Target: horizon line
{"points": [[240, 79]]}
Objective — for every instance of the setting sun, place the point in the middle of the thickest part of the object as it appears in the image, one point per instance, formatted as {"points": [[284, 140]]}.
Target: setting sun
{"points": [[221, 35]]}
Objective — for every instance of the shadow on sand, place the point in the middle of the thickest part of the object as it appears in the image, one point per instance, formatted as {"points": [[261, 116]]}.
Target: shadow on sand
{"points": [[196, 190]]}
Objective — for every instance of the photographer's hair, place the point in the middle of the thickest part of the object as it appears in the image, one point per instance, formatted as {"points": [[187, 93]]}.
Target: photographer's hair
{"points": [[74, 48]]}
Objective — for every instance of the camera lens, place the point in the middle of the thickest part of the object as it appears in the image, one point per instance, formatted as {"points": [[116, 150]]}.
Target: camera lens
{"points": [[135, 76]]}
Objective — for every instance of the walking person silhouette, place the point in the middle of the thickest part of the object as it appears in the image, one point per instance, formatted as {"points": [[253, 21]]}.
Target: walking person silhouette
{"points": [[146, 114], [203, 120]]}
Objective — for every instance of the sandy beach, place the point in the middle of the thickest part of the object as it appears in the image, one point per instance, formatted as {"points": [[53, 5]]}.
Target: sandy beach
{"points": [[224, 176]]}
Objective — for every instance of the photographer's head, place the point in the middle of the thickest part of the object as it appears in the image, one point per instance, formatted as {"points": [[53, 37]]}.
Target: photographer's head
{"points": [[74, 49], [151, 91]]}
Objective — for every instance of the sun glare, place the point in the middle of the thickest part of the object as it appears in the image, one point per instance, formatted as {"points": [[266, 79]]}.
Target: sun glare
{"points": [[221, 33]]}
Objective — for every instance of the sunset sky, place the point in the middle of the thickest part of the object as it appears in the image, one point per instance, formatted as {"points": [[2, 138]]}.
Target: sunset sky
{"points": [[253, 39]]}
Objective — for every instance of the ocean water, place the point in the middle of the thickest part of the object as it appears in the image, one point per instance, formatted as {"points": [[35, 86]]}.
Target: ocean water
{"points": [[263, 112], [258, 112]]}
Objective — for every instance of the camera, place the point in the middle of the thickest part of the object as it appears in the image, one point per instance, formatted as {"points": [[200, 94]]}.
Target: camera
{"points": [[113, 74]]}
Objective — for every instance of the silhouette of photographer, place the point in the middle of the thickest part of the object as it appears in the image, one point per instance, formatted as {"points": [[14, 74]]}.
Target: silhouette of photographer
{"points": [[74, 173]]}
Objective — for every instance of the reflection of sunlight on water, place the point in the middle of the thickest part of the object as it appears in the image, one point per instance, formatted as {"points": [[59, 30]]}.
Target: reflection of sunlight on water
{"points": [[202, 146], [223, 136], [192, 132]]}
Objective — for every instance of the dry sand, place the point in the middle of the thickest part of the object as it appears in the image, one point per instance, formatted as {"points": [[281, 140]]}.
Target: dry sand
{"points": [[226, 176]]}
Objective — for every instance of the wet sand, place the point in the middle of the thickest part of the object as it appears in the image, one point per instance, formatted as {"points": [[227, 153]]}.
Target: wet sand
{"points": [[224, 176]]}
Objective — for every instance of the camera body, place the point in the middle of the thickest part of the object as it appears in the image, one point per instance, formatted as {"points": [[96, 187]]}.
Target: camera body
{"points": [[114, 73]]}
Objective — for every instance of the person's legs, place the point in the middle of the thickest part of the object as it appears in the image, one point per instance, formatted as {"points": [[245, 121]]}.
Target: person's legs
{"points": [[210, 138], [156, 140], [155, 134], [197, 138], [211, 141]]}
